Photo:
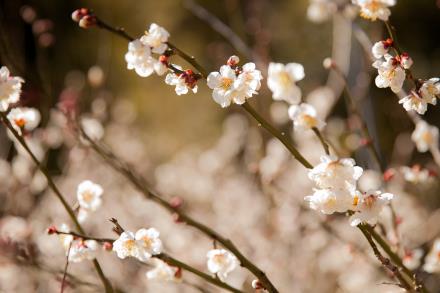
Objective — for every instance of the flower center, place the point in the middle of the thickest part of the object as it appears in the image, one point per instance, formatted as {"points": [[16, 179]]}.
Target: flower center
{"points": [[87, 196], [20, 122], [309, 120], [129, 244], [226, 83], [147, 242], [285, 79]]}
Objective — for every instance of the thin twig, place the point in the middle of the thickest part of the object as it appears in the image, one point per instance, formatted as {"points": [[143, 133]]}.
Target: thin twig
{"points": [[65, 268], [322, 140]]}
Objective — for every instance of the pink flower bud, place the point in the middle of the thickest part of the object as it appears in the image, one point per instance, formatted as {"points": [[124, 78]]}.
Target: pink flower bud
{"points": [[233, 60], [78, 14], [87, 21], [52, 230]]}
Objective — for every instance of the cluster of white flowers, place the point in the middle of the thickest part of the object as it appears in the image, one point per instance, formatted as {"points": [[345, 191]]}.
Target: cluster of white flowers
{"points": [[375, 9], [89, 198], [139, 56], [221, 262], [183, 82], [304, 117], [164, 272], [417, 175], [418, 100], [233, 83], [77, 249], [23, 118], [142, 245], [10, 88], [425, 136], [368, 207]]}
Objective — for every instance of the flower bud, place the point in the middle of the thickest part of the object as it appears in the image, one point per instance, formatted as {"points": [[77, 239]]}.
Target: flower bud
{"points": [[328, 63], [176, 202], [78, 14], [87, 21], [107, 246], [388, 174], [257, 285], [52, 230], [233, 60]]}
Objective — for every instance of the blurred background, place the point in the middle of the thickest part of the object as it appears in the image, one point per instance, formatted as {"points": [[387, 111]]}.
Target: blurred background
{"points": [[230, 172]]}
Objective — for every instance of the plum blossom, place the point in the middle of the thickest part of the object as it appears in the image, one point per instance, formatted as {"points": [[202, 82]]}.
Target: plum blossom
{"points": [[89, 198], [83, 250], [183, 82], [412, 258], [335, 173], [234, 85], [139, 58], [221, 262], [156, 38], [320, 10], [390, 73], [381, 48], [432, 260], [425, 136], [142, 245], [282, 80], [375, 9], [163, 272], [304, 117], [368, 207], [23, 118], [415, 102], [92, 127], [329, 201], [430, 90], [10, 88], [65, 239]]}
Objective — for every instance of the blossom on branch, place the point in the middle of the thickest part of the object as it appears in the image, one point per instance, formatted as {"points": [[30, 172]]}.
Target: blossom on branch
{"points": [[375, 9], [164, 272], [89, 198], [430, 90], [368, 207], [142, 245], [10, 88], [390, 73], [329, 200], [381, 48], [156, 38], [282, 80], [221, 262], [425, 136], [23, 118], [304, 117], [139, 58], [183, 82]]}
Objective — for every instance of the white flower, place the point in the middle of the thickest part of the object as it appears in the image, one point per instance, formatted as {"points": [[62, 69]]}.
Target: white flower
{"points": [[183, 82], [304, 117], [24, 118], [375, 9], [430, 89], [126, 245], [222, 84], [65, 238], [139, 58], [368, 207], [10, 88], [414, 102], [432, 260], [89, 195], [83, 250], [329, 201], [412, 258], [282, 81], [141, 245], [406, 61], [390, 73], [163, 272], [425, 136], [221, 262], [416, 174], [247, 83], [320, 10], [335, 173], [380, 49], [156, 38], [89, 198]]}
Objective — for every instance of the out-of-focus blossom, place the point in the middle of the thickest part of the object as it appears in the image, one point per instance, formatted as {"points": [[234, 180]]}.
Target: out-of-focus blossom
{"points": [[221, 262], [415, 102], [390, 73], [430, 90], [416, 174], [141, 245], [156, 38], [65, 239], [93, 128], [83, 250], [432, 260], [304, 117], [425, 136], [89, 198], [23, 118], [375, 9], [320, 10], [329, 201], [234, 85], [282, 80], [335, 173], [368, 207], [381, 48], [139, 58], [183, 82], [10, 88], [412, 258], [163, 272]]}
